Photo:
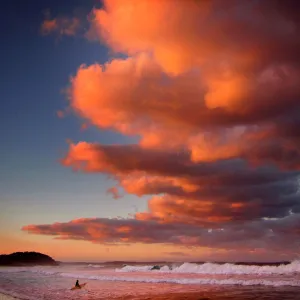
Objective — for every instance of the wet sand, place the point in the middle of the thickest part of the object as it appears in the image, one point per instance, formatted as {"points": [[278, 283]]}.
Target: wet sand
{"points": [[172, 296], [5, 297], [244, 294]]}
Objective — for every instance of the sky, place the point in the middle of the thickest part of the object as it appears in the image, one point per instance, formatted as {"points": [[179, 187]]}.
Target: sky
{"points": [[150, 130]]}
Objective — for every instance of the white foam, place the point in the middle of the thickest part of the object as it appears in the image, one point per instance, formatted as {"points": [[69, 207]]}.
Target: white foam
{"points": [[134, 269], [211, 268], [165, 269], [95, 266]]}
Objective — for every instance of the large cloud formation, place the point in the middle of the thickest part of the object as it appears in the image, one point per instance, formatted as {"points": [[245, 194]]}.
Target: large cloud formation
{"points": [[212, 90]]}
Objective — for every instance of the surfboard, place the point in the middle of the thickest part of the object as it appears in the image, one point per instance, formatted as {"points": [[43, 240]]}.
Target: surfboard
{"points": [[78, 287]]}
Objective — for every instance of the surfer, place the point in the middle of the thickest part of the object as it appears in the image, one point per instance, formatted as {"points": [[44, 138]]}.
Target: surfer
{"points": [[78, 286], [77, 283]]}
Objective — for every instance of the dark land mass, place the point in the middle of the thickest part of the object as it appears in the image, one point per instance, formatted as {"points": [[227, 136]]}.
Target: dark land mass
{"points": [[26, 259]]}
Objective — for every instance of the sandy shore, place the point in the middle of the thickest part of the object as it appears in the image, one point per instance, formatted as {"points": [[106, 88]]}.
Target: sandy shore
{"points": [[5, 297]]}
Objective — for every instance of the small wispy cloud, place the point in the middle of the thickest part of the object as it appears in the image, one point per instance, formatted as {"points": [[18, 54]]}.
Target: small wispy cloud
{"points": [[61, 25]]}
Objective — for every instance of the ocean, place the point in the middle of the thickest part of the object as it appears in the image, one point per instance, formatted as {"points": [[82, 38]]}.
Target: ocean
{"points": [[189, 281]]}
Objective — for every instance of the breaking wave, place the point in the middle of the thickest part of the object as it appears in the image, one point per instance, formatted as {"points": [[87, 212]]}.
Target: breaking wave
{"points": [[212, 268]]}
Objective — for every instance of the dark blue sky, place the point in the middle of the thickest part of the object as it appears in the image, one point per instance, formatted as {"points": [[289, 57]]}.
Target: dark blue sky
{"points": [[35, 69]]}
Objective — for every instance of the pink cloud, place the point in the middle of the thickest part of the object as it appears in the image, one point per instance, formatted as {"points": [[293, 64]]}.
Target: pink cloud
{"points": [[115, 192], [264, 234]]}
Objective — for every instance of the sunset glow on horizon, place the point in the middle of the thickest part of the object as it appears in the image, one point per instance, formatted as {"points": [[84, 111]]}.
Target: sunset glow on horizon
{"points": [[156, 130]]}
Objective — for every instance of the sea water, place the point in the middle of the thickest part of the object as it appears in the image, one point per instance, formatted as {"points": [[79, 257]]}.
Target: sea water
{"points": [[173, 281]]}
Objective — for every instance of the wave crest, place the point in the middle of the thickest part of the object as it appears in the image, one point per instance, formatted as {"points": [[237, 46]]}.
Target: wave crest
{"points": [[213, 268]]}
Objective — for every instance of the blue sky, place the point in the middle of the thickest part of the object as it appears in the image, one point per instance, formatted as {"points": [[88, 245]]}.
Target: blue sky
{"points": [[35, 70]]}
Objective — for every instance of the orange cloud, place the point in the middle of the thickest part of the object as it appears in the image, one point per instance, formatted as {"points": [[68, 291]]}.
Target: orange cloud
{"points": [[152, 106], [116, 23], [49, 26], [115, 192], [199, 33], [204, 213], [207, 194]]}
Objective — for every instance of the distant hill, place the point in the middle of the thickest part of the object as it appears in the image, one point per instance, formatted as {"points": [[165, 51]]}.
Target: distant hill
{"points": [[26, 259]]}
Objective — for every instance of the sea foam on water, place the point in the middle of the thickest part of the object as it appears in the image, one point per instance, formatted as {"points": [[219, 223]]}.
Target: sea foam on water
{"points": [[108, 281]]}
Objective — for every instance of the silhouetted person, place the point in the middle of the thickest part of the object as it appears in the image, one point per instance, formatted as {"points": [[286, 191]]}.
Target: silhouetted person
{"points": [[77, 283]]}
